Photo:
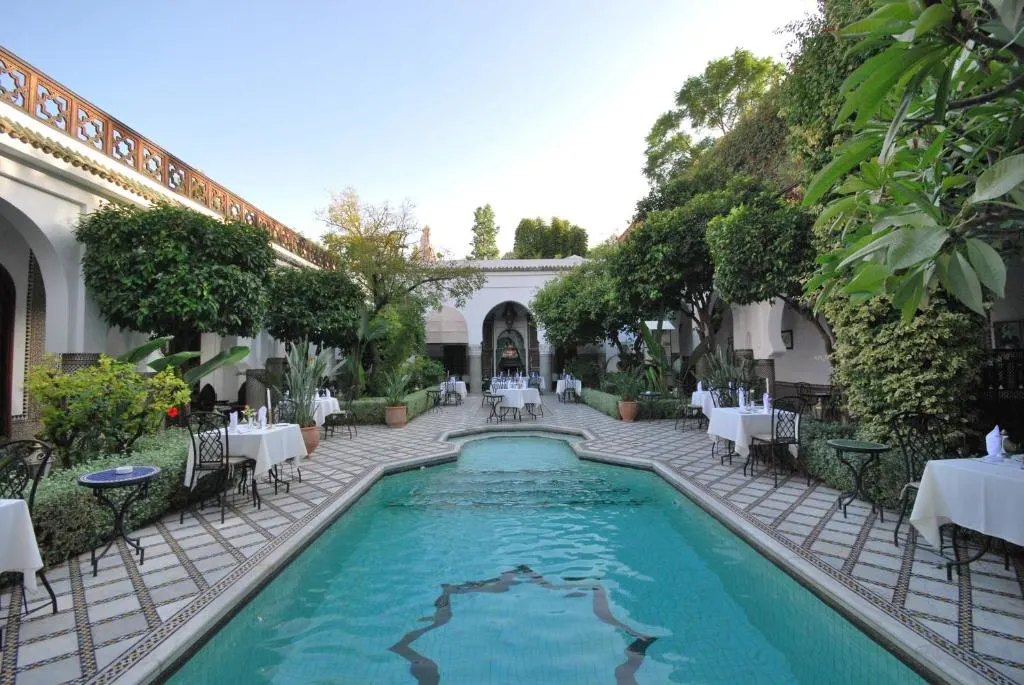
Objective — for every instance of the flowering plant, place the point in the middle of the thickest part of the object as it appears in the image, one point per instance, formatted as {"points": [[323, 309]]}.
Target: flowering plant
{"points": [[172, 412], [248, 412]]}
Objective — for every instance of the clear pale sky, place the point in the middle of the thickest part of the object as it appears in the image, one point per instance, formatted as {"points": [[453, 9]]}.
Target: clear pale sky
{"points": [[539, 107]]}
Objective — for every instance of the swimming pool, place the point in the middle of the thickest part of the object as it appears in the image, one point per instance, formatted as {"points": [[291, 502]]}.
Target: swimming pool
{"points": [[522, 564]]}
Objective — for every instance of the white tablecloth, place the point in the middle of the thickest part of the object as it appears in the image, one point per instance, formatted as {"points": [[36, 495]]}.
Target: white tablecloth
{"points": [[267, 447], [19, 551], [561, 385], [324, 407], [460, 387], [988, 498], [518, 398], [703, 400], [731, 423]]}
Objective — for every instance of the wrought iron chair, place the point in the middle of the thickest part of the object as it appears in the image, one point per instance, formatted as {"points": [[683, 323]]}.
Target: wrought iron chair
{"points": [[23, 463], [684, 412], [451, 393], [723, 397], [784, 436], [211, 462], [284, 412], [920, 439], [344, 418]]}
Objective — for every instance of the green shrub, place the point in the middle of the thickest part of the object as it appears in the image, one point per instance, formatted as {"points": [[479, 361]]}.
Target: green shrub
{"points": [[370, 410], [423, 371], [103, 408], [68, 519], [604, 402]]}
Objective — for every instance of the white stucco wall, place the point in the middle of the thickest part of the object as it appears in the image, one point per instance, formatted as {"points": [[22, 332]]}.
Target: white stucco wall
{"points": [[807, 361], [14, 257]]}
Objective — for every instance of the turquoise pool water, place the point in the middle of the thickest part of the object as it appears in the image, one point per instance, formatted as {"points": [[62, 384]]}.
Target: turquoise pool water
{"points": [[520, 564]]}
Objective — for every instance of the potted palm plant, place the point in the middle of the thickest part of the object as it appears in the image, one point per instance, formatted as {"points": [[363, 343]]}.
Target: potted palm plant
{"points": [[302, 377], [395, 385], [628, 386]]}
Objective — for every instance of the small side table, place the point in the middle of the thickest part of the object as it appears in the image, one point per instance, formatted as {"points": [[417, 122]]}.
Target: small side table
{"points": [[109, 479], [868, 453], [648, 398], [434, 397], [493, 400]]}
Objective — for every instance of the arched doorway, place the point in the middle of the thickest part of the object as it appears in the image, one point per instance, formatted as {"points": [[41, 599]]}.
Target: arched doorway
{"points": [[8, 297], [509, 343]]}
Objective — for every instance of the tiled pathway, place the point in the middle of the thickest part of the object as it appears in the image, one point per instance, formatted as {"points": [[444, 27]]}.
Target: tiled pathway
{"points": [[111, 621]]}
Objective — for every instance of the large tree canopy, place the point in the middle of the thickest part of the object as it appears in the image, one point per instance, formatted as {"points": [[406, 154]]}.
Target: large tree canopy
{"points": [[537, 239], [321, 306], [485, 234], [375, 243], [168, 270]]}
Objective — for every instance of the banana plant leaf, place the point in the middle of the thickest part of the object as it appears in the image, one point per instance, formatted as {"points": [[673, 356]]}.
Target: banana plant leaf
{"points": [[224, 358], [172, 360], [137, 354]]}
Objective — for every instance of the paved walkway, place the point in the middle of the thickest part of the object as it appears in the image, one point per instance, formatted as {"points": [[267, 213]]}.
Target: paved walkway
{"points": [[107, 623]]}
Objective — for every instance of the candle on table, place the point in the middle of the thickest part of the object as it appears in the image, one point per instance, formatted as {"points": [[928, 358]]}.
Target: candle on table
{"points": [[270, 418]]}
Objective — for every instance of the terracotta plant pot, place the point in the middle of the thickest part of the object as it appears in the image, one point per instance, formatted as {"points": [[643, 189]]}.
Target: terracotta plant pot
{"points": [[628, 410], [311, 436], [395, 417]]}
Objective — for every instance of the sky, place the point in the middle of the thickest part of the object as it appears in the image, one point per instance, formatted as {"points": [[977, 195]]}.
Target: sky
{"points": [[538, 107]]}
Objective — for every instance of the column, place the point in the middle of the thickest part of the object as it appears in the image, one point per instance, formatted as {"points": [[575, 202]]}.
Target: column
{"points": [[476, 375], [546, 358]]}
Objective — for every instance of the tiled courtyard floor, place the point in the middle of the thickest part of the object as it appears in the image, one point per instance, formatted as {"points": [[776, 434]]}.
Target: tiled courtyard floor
{"points": [[115, 619]]}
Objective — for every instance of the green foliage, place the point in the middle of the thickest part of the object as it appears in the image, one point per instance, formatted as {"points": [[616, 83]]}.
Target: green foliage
{"points": [[370, 410], [375, 242], [394, 386], [68, 520], [423, 371], [761, 251], [168, 270], [581, 307], [820, 459], [192, 375], [536, 239], [727, 368], [604, 402], [102, 408], [319, 305], [629, 383], [303, 376], [935, 171], [758, 145], [485, 234], [728, 87], [888, 366], [404, 335]]}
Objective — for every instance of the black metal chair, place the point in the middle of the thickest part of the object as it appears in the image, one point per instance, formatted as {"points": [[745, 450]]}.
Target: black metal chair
{"points": [[23, 463], [920, 438], [723, 397], [785, 434], [685, 412], [211, 461], [284, 412], [451, 393], [344, 418]]}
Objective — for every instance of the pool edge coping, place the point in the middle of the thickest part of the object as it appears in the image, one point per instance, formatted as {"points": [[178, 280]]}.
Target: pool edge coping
{"points": [[160, 660]]}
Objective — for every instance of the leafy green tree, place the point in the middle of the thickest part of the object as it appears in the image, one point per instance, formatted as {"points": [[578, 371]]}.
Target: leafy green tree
{"points": [[319, 305], [763, 250], [485, 234], [581, 307], [376, 244], [728, 87], [932, 182], [536, 239], [168, 270]]}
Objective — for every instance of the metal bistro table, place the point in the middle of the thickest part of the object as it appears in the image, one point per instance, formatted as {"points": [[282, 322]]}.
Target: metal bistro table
{"points": [[493, 400], [434, 398], [868, 453], [648, 398], [109, 479]]}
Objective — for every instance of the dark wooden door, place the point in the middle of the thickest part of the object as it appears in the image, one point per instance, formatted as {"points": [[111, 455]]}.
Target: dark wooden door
{"points": [[7, 302]]}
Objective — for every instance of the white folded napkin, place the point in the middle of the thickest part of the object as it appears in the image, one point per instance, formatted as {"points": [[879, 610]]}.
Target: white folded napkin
{"points": [[233, 420], [766, 399], [327, 392], [994, 445], [261, 416], [743, 398], [700, 386]]}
